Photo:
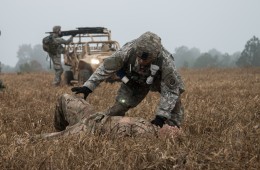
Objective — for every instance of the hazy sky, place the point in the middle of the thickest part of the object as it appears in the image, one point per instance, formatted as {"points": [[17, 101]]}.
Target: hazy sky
{"points": [[225, 25]]}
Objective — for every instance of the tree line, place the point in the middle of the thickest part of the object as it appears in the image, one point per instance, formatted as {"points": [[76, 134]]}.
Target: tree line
{"points": [[193, 58], [31, 59]]}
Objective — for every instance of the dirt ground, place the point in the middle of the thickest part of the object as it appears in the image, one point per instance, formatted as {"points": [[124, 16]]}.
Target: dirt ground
{"points": [[221, 129]]}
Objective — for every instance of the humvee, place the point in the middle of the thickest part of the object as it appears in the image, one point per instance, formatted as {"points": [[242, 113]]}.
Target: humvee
{"points": [[87, 51]]}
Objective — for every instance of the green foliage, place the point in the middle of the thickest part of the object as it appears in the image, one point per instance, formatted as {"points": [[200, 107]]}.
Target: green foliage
{"points": [[31, 66], [250, 56], [206, 60], [30, 58], [185, 57]]}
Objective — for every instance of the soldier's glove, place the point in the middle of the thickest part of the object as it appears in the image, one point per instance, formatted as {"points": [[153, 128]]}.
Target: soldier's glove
{"points": [[158, 121], [85, 90]]}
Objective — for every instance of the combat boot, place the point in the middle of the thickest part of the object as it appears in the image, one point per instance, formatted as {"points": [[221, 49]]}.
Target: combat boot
{"points": [[55, 83]]}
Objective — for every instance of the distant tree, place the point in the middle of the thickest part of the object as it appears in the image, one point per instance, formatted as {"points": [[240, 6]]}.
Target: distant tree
{"points": [[185, 64], [31, 66], [250, 56], [206, 60], [214, 52], [6, 68], [24, 53], [28, 55], [185, 57], [225, 61], [235, 56], [40, 56], [36, 66]]}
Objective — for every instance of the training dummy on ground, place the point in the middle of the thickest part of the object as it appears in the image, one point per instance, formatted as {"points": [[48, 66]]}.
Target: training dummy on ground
{"points": [[74, 115]]}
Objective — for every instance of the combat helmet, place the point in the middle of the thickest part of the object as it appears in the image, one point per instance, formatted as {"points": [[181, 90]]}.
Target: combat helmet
{"points": [[56, 29], [148, 45]]}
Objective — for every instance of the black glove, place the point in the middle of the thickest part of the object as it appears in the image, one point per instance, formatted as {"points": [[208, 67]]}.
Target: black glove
{"points": [[158, 121], [85, 90]]}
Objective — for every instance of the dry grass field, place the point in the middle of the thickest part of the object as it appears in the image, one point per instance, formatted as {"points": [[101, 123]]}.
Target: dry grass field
{"points": [[221, 127]]}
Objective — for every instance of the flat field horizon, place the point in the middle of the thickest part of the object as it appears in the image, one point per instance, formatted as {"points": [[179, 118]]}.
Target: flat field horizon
{"points": [[221, 129]]}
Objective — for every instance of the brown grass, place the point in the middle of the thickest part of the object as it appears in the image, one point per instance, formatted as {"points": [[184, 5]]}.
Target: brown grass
{"points": [[221, 128]]}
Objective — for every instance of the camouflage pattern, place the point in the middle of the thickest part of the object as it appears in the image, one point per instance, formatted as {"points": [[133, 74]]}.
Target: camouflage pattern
{"points": [[56, 55], [56, 29], [56, 60], [74, 115], [168, 81], [70, 110], [149, 43]]}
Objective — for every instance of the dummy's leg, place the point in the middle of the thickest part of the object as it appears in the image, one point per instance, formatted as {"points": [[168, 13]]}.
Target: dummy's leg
{"points": [[60, 123], [70, 110]]}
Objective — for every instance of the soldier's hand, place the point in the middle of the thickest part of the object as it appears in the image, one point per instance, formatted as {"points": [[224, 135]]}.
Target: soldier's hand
{"points": [[85, 90], [158, 121]]}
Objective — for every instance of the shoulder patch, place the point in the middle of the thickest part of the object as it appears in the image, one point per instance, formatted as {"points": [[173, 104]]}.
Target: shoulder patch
{"points": [[170, 80]]}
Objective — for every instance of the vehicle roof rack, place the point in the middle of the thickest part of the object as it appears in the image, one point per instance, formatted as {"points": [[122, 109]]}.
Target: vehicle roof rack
{"points": [[94, 30]]}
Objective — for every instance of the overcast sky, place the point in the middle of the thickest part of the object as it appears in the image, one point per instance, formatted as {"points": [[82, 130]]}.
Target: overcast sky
{"points": [[225, 25]]}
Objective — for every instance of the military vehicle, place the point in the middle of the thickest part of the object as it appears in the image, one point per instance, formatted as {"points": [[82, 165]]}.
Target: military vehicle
{"points": [[89, 48]]}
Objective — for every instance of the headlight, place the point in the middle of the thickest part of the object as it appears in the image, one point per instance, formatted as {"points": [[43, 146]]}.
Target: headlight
{"points": [[94, 61]]}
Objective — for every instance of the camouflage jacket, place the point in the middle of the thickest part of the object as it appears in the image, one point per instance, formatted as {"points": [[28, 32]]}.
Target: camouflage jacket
{"points": [[171, 84], [58, 41]]}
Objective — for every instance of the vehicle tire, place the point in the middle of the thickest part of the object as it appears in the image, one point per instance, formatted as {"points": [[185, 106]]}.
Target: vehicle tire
{"points": [[84, 75], [68, 76]]}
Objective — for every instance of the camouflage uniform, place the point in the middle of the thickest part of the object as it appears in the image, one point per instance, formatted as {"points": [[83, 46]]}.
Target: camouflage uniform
{"points": [[167, 80], [56, 55], [74, 115]]}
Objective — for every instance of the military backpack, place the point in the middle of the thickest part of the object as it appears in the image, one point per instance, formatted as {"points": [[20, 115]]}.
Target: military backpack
{"points": [[49, 45]]}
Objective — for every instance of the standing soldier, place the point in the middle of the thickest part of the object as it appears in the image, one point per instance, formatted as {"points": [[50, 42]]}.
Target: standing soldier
{"points": [[53, 45], [143, 65]]}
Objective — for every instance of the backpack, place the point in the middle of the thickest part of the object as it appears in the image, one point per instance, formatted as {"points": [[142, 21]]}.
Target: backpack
{"points": [[49, 45]]}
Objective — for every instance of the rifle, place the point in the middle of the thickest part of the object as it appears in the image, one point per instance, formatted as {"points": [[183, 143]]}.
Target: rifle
{"points": [[83, 30]]}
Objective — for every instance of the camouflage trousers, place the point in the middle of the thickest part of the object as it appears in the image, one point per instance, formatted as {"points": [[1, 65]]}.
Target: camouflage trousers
{"points": [[70, 110], [129, 97], [74, 115], [56, 60]]}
